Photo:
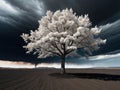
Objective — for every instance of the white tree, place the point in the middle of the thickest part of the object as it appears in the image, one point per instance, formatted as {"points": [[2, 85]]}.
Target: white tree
{"points": [[60, 34]]}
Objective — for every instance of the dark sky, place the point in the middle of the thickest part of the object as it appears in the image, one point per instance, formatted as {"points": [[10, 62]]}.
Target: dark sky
{"points": [[21, 16]]}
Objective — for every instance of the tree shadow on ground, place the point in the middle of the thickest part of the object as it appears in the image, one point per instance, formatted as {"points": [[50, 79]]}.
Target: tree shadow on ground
{"points": [[99, 76]]}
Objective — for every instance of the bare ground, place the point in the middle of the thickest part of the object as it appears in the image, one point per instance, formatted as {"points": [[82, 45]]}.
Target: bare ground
{"points": [[51, 79]]}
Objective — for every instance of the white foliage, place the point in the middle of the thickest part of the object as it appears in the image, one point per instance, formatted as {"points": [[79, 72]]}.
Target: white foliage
{"points": [[61, 33]]}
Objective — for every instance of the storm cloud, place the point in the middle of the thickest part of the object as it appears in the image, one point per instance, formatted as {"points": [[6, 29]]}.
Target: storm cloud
{"points": [[26, 13], [20, 12]]}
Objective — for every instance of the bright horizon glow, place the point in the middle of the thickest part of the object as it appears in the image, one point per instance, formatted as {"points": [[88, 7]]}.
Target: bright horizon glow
{"points": [[103, 58], [12, 64]]}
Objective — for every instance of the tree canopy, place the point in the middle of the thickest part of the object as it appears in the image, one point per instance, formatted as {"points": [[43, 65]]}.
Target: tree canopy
{"points": [[62, 33]]}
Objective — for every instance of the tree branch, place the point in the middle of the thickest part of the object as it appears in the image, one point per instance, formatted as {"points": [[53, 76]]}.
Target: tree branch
{"points": [[51, 51], [55, 45], [69, 51]]}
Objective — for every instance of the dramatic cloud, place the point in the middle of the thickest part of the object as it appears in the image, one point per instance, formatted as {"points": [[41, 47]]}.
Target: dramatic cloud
{"points": [[111, 30], [101, 57], [113, 25], [23, 13], [7, 8], [20, 12]]}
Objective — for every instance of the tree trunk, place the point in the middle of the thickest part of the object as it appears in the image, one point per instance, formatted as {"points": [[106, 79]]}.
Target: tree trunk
{"points": [[63, 65], [35, 65]]}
